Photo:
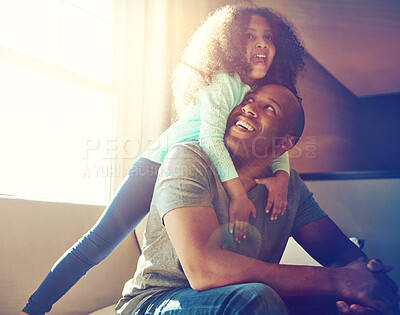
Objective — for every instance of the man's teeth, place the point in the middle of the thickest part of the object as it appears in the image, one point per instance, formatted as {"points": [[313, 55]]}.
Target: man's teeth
{"points": [[259, 56], [244, 125]]}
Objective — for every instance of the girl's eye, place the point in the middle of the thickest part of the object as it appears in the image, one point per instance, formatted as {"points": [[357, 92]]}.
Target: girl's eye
{"points": [[248, 36], [250, 100], [268, 37]]}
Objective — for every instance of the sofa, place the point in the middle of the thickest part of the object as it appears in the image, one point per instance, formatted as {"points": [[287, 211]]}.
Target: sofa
{"points": [[35, 233]]}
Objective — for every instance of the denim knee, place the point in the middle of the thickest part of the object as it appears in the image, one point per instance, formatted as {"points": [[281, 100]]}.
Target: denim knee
{"points": [[256, 298]]}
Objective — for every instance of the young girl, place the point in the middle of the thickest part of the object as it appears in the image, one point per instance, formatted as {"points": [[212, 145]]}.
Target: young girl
{"points": [[227, 56]]}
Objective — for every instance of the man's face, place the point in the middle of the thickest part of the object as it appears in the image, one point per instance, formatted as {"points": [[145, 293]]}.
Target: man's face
{"points": [[255, 128]]}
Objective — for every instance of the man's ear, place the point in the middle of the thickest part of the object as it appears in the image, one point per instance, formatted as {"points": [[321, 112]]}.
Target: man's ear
{"points": [[288, 142]]}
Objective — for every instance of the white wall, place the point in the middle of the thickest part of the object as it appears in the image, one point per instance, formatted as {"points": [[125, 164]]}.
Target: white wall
{"points": [[367, 209]]}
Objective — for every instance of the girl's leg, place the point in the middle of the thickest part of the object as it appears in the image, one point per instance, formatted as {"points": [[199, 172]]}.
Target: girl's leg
{"points": [[127, 208], [249, 298]]}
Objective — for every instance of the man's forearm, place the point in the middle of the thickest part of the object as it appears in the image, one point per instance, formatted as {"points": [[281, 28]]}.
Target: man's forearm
{"points": [[196, 237], [207, 265], [221, 267], [326, 243]]}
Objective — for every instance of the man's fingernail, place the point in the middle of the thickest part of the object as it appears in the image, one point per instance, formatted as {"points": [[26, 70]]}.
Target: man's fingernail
{"points": [[244, 237]]}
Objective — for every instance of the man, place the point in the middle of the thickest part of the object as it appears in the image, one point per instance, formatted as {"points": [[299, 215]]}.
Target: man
{"points": [[190, 263]]}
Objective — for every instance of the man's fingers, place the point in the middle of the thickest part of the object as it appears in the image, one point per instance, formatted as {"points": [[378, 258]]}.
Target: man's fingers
{"points": [[354, 309], [358, 309], [383, 308], [375, 265], [387, 268], [343, 307]]}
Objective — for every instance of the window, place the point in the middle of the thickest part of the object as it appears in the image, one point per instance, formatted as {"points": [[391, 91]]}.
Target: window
{"points": [[58, 98]]}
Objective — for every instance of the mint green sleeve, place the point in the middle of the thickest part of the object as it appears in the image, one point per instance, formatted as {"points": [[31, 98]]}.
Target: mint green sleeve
{"points": [[281, 164], [216, 102]]}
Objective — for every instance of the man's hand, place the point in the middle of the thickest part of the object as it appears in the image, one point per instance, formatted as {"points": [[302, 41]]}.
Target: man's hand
{"points": [[239, 213], [375, 295], [354, 309], [277, 186], [376, 265]]}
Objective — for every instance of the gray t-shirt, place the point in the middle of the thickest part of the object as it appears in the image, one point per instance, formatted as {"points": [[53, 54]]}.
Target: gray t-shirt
{"points": [[188, 178]]}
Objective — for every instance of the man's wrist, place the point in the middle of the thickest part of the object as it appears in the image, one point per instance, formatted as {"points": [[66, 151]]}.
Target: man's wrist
{"points": [[335, 281]]}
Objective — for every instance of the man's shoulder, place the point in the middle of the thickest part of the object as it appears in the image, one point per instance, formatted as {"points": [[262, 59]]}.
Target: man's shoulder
{"points": [[188, 150], [189, 147], [296, 185], [294, 175], [187, 157]]}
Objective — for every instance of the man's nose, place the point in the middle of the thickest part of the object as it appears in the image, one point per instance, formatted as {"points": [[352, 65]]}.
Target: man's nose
{"points": [[250, 109]]}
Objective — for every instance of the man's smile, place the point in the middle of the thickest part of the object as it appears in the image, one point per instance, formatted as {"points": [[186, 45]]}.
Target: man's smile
{"points": [[245, 124]]}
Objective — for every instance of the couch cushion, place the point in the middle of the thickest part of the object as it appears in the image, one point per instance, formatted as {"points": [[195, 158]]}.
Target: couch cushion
{"points": [[34, 234]]}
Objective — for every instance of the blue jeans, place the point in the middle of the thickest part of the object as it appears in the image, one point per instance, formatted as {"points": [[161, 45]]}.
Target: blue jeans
{"points": [[127, 208], [246, 299]]}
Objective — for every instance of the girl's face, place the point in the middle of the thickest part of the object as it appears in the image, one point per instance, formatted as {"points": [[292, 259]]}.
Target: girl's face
{"points": [[260, 49]]}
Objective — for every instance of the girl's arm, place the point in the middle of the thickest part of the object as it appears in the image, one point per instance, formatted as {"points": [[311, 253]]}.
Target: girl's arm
{"points": [[277, 186], [216, 102]]}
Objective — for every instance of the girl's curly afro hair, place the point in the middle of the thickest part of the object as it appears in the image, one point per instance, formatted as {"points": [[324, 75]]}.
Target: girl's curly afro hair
{"points": [[218, 45]]}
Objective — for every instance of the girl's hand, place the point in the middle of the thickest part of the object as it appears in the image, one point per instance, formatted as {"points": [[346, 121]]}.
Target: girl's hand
{"points": [[277, 186], [239, 213]]}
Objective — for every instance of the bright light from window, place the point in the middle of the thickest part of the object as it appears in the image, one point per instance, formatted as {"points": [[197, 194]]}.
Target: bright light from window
{"points": [[31, 27], [76, 35], [86, 44], [55, 135], [46, 126], [50, 133]]}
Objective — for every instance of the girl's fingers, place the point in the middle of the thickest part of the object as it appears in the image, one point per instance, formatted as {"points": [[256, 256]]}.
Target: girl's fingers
{"points": [[254, 212], [231, 224], [240, 231]]}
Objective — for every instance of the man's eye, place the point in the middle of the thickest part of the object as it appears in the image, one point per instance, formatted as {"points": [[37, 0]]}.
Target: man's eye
{"points": [[249, 100], [270, 108]]}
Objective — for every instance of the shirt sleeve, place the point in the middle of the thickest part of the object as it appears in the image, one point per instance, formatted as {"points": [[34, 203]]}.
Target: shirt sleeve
{"points": [[308, 209], [281, 164], [216, 102], [184, 180]]}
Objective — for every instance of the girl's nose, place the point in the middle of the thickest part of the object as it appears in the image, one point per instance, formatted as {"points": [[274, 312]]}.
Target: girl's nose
{"points": [[262, 43]]}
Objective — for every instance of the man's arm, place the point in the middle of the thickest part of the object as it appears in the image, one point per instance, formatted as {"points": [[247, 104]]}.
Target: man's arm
{"points": [[326, 243], [194, 232]]}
